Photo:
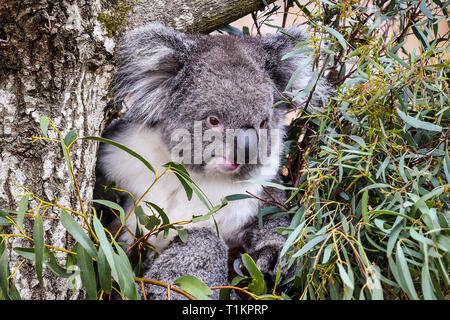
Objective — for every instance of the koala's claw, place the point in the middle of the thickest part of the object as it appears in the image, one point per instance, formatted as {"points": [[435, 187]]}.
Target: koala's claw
{"points": [[237, 264], [267, 259]]}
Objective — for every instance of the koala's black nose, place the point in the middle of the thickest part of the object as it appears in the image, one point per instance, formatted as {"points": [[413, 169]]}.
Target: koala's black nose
{"points": [[246, 146]]}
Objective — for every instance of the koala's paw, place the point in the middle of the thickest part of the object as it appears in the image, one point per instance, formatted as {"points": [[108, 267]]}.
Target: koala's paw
{"points": [[268, 261]]}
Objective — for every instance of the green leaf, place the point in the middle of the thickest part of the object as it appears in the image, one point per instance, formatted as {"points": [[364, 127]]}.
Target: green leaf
{"points": [[70, 137], [68, 162], [364, 208], [238, 196], [419, 237], [38, 237], [398, 59], [393, 237], [183, 235], [23, 206], [292, 238], [327, 253], [375, 284], [55, 267], [114, 206], [419, 124], [211, 212], [78, 233], [293, 195], [380, 212], [183, 176], [104, 272], [150, 222], [310, 245], [162, 214], [258, 285], [419, 35], [194, 287], [4, 270], [421, 202], [405, 274], [49, 260], [443, 271], [142, 217], [296, 52], [425, 11], [5, 218], [125, 273], [269, 184], [29, 253], [14, 293], [43, 123], [357, 51], [122, 147], [401, 168], [84, 262], [427, 287], [187, 183], [345, 277], [338, 36], [447, 167], [105, 246]]}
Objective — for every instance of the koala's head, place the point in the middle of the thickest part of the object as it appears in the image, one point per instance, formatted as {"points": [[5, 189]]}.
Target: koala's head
{"points": [[212, 97]]}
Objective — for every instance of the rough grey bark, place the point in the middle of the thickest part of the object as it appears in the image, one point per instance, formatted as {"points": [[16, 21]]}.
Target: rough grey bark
{"points": [[57, 60], [194, 15]]}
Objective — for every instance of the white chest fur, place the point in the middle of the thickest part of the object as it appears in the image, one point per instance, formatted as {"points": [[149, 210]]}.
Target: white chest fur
{"points": [[130, 174]]}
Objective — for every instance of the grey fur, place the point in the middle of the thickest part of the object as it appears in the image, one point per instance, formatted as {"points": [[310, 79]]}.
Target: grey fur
{"points": [[264, 245], [204, 256], [169, 80]]}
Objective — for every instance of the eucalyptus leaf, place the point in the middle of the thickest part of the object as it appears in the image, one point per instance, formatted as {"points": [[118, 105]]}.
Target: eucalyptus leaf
{"points": [[38, 238], [114, 206], [104, 272], [78, 233], [43, 123], [84, 262], [194, 287], [258, 285], [23, 206], [338, 36], [122, 147], [419, 124], [4, 270]]}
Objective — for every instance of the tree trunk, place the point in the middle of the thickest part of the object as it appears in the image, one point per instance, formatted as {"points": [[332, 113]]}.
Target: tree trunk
{"points": [[56, 60]]}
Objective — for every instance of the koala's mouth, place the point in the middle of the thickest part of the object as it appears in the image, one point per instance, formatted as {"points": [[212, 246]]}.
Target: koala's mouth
{"points": [[227, 165]]}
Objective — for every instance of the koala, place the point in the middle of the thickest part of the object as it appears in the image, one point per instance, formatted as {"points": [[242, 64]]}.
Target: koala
{"points": [[207, 102]]}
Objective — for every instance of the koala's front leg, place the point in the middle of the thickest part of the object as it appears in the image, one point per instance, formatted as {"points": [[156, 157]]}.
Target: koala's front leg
{"points": [[204, 256], [264, 245]]}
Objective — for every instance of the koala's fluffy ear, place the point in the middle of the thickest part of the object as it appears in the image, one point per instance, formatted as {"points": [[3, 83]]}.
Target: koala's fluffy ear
{"points": [[150, 57], [275, 47]]}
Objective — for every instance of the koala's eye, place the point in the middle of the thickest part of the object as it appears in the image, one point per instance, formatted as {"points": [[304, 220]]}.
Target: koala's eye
{"points": [[213, 121], [263, 124]]}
